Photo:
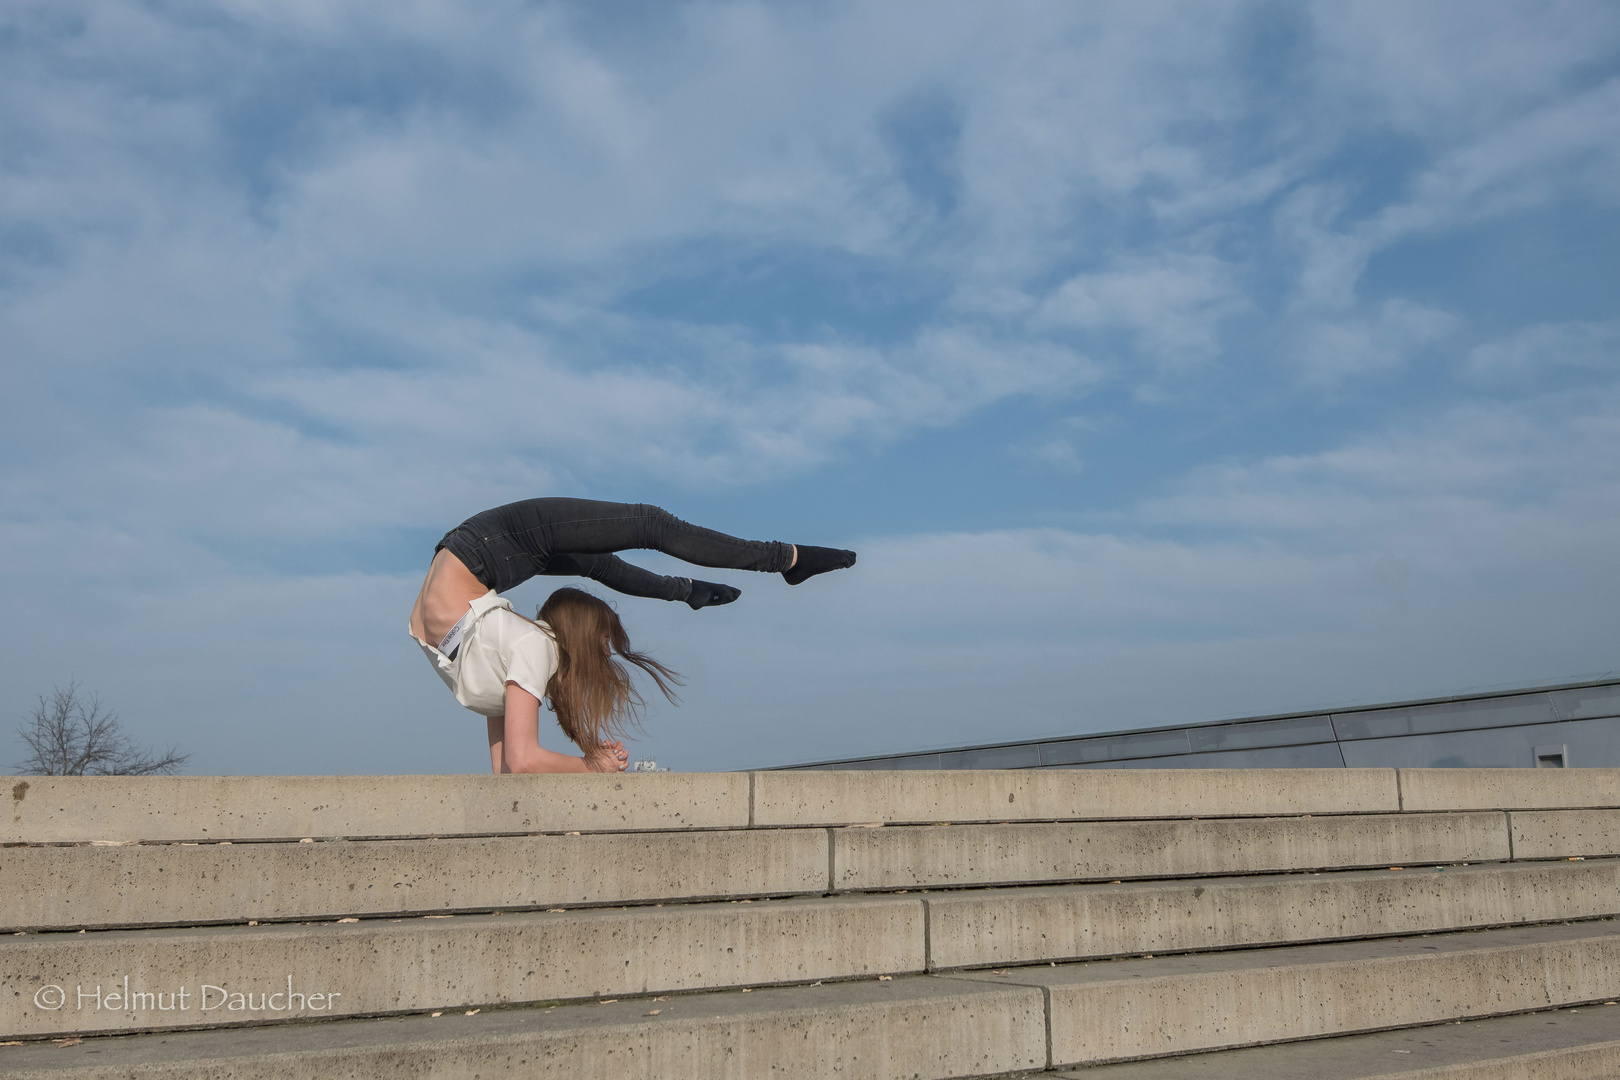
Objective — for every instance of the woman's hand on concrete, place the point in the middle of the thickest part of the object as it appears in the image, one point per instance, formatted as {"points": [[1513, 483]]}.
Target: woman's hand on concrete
{"points": [[610, 757]]}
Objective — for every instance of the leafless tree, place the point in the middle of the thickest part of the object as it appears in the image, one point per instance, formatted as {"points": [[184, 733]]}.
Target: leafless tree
{"points": [[74, 736]]}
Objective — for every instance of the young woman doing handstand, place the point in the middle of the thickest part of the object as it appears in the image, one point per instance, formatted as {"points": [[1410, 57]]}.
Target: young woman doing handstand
{"points": [[501, 665]]}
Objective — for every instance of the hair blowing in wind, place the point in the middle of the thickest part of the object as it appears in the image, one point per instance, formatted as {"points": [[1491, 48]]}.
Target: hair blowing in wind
{"points": [[592, 692]]}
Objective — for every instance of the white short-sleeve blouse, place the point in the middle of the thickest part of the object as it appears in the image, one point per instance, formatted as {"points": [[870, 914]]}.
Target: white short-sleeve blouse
{"points": [[500, 646]]}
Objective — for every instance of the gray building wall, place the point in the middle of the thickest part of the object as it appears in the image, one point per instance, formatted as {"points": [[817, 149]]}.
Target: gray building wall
{"points": [[1571, 725]]}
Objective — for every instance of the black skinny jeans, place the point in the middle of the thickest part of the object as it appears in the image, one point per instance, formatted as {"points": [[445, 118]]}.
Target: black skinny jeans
{"points": [[510, 544]]}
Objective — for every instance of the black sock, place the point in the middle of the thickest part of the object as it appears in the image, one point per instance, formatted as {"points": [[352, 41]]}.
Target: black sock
{"points": [[817, 560], [708, 594]]}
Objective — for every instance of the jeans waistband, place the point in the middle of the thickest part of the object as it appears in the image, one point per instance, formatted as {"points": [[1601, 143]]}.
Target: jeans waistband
{"points": [[473, 553]]}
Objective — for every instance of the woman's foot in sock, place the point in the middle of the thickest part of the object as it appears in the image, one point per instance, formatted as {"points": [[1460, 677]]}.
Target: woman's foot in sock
{"points": [[708, 594], [811, 561]]}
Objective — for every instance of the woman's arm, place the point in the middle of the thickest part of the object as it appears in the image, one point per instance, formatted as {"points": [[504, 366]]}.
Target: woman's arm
{"points": [[514, 742]]}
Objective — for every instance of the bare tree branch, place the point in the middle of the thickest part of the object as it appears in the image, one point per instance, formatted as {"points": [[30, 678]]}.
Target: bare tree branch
{"points": [[70, 736]]}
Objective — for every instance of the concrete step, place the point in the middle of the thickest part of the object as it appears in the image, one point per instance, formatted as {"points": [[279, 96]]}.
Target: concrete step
{"points": [[1101, 1012], [943, 884], [89, 887], [903, 857], [1508, 789], [921, 1027], [389, 965], [81, 809], [1562, 1044], [56, 887], [990, 927], [1559, 834], [74, 809], [404, 965], [194, 808], [913, 1028], [814, 797]]}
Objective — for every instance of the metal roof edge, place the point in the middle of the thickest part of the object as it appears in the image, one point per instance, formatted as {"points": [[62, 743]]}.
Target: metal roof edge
{"points": [[1478, 695]]}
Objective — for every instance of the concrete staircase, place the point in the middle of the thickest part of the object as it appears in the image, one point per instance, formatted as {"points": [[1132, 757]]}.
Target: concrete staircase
{"points": [[1412, 923]]}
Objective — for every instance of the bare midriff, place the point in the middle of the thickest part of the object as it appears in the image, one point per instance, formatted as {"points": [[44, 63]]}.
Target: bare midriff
{"points": [[446, 591]]}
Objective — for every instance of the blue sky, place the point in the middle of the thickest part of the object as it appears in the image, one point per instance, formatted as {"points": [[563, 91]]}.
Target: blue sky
{"points": [[1164, 362]]}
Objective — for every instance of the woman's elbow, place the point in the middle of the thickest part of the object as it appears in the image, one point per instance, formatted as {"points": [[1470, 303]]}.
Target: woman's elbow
{"points": [[524, 762]]}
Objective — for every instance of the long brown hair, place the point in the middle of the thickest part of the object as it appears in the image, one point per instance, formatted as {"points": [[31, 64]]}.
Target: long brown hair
{"points": [[591, 691]]}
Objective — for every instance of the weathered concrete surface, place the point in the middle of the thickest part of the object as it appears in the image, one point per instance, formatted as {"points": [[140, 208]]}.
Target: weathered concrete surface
{"points": [[173, 884], [67, 809], [1560, 834], [1567, 1044], [385, 965], [915, 1027], [1012, 926], [904, 857], [815, 797], [75, 809], [1114, 1010], [1508, 789]]}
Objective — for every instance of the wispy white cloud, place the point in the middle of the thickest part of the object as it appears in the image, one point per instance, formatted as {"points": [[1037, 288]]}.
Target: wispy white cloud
{"points": [[302, 278], [1543, 346], [1171, 308], [1470, 552], [1386, 338]]}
